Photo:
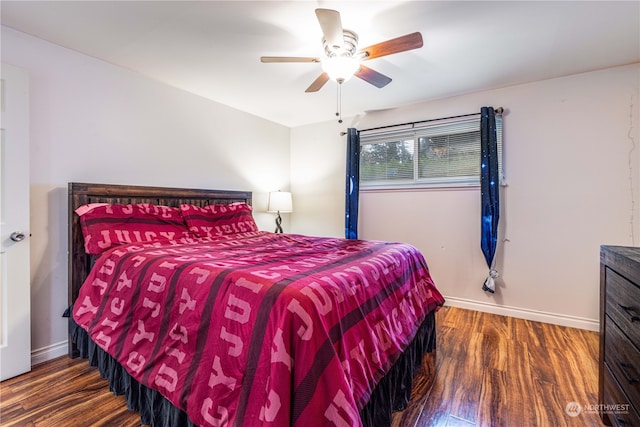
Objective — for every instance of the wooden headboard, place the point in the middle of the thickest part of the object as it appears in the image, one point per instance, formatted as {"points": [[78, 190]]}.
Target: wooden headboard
{"points": [[83, 193]]}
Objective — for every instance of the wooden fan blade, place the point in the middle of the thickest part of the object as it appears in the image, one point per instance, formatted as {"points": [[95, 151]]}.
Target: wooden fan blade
{"points": [[318, 83], [371, 76], [288, 59], [331, 25], [397, 45]]}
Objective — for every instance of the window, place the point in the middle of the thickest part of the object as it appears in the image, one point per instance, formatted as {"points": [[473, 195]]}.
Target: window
{"points": [[435, 153]]}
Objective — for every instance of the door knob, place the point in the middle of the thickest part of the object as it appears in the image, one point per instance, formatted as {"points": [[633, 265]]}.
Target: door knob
{"points": [[17, 236]]}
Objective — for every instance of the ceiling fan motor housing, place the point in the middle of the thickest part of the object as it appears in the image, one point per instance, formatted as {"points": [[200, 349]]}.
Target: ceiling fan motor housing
{"points": [[349, 47]]}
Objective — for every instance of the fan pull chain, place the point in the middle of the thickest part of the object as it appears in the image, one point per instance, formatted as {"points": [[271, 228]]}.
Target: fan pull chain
{"points": [[339, 103]]}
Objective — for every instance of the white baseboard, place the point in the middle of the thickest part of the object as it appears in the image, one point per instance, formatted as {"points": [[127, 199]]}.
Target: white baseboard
{"points": [[49, 352], [524, 313]]}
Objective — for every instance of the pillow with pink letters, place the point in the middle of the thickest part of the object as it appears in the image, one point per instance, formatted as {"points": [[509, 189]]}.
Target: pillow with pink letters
{"points": [[107, 225], [219, 220]]}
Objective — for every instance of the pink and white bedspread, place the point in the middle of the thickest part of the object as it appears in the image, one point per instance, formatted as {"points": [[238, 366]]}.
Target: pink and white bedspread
{"points": [[259, 329]]}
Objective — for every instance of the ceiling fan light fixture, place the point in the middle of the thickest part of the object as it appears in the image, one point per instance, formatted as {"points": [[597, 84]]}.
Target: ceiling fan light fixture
{"points": [[342, 59], [340, 68]]}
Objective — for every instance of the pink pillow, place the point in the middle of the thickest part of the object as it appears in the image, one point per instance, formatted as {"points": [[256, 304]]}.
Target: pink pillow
{"points": [[105, 225], [219, 220]]}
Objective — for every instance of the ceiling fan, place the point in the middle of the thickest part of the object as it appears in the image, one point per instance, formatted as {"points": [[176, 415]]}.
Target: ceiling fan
{"points": [[342, 59]]}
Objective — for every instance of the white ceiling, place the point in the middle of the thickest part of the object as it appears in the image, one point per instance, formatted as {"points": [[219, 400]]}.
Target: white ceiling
{"points": [[212, 48]]}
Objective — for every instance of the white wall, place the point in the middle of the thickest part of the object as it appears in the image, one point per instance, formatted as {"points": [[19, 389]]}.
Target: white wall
{"points": [[94, 122], [318, 179], [571, 156]]}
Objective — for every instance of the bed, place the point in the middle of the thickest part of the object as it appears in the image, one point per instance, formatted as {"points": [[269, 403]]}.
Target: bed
{"points": [[228, 325]]}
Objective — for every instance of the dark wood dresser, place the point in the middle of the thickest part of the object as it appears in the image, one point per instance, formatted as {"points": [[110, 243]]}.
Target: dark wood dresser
{"points": [[620, 335]]}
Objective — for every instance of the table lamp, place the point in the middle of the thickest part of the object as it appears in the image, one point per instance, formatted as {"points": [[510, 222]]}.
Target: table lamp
{"points": [[279, 201]]}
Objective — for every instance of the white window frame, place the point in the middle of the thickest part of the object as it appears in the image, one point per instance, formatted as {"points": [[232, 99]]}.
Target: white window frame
{"points": [[412, 132]]}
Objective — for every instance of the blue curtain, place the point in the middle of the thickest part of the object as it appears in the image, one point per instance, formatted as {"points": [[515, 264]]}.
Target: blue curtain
{"points": [[489, 192], [352, 184]]}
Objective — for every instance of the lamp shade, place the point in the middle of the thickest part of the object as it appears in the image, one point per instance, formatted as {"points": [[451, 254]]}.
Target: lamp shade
{"points": [[280, 201], [340, 68]]}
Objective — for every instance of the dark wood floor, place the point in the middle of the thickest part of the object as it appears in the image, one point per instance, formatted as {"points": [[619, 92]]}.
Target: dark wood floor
{"points": [[500, 371], [490, 371]]}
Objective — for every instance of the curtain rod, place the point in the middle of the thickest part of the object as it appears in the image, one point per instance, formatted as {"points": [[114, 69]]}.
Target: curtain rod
{"points": [[498, 110]]}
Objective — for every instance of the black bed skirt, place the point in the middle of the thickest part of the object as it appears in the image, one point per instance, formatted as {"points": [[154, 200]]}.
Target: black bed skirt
{"points": [[394, 389], [392, 393]]}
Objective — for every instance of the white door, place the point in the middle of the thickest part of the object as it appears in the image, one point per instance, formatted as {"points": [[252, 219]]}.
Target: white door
{"points": [[15, 304]]}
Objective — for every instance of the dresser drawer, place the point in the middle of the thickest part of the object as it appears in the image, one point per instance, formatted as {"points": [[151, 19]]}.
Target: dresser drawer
{"points": [[616, 406], [623, 359], [623, 304]]}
